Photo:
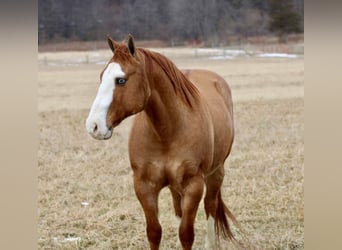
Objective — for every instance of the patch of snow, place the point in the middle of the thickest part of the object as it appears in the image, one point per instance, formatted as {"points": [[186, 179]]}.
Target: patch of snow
{"points": [[66, 240], [278, 55], [85, 203], [208, 50]]}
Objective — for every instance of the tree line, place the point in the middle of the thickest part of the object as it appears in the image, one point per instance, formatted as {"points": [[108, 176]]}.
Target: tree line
{"points": [[210, 21]]}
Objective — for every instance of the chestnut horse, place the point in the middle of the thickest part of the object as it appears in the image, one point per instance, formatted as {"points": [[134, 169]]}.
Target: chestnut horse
{"points": [[181, 136]]}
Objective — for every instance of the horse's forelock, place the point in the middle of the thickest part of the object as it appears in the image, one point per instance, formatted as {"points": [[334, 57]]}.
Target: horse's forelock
{"points": [[121, 54]]}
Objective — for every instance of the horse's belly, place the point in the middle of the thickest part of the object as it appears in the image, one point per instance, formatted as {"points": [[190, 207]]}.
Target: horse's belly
{"points": [[217, 95]]}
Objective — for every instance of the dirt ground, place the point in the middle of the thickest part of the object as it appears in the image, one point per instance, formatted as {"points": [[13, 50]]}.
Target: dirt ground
{"points": [[86, 198]]}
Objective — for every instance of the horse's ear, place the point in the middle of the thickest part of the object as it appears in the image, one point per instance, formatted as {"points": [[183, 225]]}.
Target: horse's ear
{"points": [[131, 45], [111, 43]]}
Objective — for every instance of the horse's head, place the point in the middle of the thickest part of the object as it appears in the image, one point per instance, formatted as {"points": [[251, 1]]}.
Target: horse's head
{"points": [[123, 91]]}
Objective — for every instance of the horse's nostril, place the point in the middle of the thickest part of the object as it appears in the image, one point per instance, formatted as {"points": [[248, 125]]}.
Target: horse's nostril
{"points": [[95, 128]]}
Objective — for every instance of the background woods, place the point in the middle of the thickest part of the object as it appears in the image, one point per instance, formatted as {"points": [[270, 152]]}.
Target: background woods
{"points": [[176, 21]]}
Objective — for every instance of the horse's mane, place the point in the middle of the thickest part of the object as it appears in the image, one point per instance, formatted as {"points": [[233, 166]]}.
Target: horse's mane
{"points": [[182, 86]]}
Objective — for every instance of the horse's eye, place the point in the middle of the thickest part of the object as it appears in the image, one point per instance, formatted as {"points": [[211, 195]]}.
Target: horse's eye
{"points": [[120, 81]]}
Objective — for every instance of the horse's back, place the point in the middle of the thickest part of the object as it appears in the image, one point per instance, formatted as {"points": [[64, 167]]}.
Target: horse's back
{"points": [[216, 92], [210, 85]]}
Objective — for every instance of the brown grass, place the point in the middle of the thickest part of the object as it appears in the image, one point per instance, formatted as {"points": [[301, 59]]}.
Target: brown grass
{"points": [[264, 175]]}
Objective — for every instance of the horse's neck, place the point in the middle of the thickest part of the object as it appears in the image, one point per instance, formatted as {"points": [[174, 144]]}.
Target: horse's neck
{"points": [[165, 110]]}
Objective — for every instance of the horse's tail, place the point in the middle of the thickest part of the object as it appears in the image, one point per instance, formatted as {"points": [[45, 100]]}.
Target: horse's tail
{"points": [[222, 227]]}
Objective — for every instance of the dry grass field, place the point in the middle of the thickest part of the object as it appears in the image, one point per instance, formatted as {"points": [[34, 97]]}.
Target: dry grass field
{"points": [[86, 198]]}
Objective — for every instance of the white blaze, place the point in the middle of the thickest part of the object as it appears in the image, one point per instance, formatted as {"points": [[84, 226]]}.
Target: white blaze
{"points": [[98, 112]]}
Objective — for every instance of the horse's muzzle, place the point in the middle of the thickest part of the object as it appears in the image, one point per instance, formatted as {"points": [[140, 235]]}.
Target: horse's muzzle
{"points": [[96, 133]]}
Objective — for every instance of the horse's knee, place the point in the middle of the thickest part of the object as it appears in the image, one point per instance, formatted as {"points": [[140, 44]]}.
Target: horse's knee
{"points": [[154, 233], [186, 236], [192, 197]]}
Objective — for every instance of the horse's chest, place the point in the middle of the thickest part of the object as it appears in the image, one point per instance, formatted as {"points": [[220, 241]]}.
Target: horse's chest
{"points": [[184, 153], [165, 171]]}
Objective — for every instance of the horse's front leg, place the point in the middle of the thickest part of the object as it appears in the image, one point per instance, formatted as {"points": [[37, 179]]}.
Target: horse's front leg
{"points": [[147, 193], [193, 191]]}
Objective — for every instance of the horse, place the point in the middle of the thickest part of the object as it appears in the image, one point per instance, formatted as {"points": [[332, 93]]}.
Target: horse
{"points": [[182, 134]]}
